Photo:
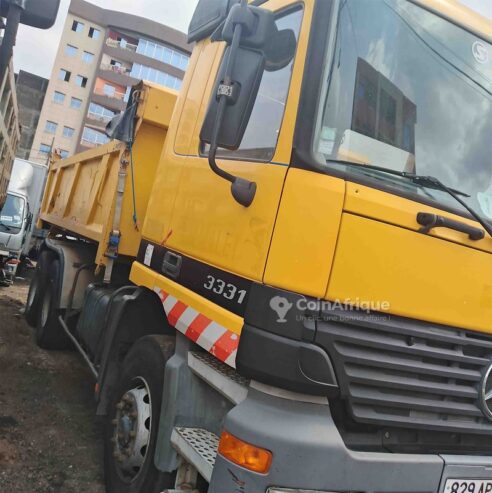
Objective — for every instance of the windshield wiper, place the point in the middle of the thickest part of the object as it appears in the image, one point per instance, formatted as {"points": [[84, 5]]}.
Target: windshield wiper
{"points": [[427, 182], [7, 228]]}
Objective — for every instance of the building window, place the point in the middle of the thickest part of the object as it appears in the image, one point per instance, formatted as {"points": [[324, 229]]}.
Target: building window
{"points": [[50, 127], [88, 57], [58, 97], [76, 103], [45, 149], [109, 90], [64, 75], [81, 81], [92, 136], [71, 50], [127, 94], [68, 132], [163, 53], [94, 33], [180, 61], [63, 154], [77, 26], [99, 112], [151, 74]]}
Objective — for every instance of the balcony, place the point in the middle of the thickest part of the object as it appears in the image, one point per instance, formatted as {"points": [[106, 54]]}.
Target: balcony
{"points": [[113, 68], [120, 96], [113, 101], [113, 43], [97, 121], [118, 75], [88, 144]]}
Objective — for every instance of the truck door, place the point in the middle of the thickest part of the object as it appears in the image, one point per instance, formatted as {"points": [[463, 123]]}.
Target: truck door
{"points": [[208, 224]]}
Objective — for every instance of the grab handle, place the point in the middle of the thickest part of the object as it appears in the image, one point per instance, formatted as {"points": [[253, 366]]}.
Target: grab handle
{"points": [[431, 221]]}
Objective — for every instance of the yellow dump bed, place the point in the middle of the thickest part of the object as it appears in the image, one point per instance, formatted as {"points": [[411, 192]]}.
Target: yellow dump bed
{"points": [[84, 191]]}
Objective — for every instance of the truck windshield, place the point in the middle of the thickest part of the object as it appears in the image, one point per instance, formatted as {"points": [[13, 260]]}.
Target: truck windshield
{"points": [[12, 214], [409, 91]]}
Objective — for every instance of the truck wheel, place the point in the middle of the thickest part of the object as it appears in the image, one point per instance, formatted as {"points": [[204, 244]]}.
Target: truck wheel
{"points": [[35, 289], [49, 332], [132, 423]]}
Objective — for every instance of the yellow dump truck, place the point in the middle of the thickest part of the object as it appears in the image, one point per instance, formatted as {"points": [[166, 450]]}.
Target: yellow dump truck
{"points": [[282, 277]]}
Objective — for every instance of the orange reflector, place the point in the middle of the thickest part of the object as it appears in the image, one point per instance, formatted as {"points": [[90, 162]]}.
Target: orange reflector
{"points": [[245, 455]]}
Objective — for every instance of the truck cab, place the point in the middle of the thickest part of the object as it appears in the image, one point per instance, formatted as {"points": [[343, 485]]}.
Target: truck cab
{"points": [[18, 234], [355, 278], [15, 221]]}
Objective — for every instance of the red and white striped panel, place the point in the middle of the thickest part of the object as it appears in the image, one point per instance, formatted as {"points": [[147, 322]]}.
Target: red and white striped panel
{"points": [[217, 340]]}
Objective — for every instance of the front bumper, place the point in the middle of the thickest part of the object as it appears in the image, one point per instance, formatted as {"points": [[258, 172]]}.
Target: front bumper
{"points": [[310, 455]]}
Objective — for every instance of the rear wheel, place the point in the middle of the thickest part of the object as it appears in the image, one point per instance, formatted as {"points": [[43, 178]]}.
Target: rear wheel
{"points": [[34, 297], [49, 332], [132, 424]]}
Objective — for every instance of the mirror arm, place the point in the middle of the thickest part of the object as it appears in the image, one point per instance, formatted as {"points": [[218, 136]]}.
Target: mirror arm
{"points": [[213, 146], [242, 190]]}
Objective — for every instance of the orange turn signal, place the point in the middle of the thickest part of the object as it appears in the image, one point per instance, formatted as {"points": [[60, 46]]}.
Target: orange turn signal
{"points": [[244, 454]]}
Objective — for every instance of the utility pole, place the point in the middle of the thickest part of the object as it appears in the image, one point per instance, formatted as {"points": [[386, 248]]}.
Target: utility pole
{"points": [[16, 8], [49, 159]]}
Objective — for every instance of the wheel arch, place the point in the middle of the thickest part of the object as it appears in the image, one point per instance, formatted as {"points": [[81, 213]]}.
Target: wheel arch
{"points": [[76, 262], [137, 313]]}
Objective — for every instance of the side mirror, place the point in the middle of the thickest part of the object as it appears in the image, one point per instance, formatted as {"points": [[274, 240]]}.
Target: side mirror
{"points": [[248, 31], [208, 16], [36, 13], [280, 50], [29, 219], [249, 67]]}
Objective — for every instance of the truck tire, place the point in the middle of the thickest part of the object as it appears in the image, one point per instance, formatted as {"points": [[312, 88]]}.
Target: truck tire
{"points": [[132, 423], [35, 289], [49, 332]]}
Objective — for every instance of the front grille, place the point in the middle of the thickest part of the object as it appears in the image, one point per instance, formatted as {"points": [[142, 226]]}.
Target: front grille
{"points": [[396, 372]]}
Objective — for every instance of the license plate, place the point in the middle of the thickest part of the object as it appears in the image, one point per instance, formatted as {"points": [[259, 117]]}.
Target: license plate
{"points": [[468, 486]]}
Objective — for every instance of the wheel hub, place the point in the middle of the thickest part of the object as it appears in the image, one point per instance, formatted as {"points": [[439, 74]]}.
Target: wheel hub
{"points": [[132, 429]]}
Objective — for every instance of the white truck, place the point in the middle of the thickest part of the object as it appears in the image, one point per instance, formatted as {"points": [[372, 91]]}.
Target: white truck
{"points": [[17, 227]]}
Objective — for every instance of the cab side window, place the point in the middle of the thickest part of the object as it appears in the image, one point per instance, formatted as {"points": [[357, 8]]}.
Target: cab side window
{"points": [[260, 140]]}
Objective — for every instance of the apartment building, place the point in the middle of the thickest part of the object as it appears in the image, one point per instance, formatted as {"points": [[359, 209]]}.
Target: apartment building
{"points": [[9, 129], [102, 54]]}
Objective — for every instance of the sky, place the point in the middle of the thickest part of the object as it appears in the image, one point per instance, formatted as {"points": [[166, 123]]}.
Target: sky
{"points": [[35, 51]]}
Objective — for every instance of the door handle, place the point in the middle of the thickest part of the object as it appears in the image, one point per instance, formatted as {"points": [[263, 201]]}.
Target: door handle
{"points": [[171, 264], [431, 221]]}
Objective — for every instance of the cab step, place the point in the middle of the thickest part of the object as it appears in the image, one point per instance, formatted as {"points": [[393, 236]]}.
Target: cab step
{"points": [[219, 376], [198, 447]]}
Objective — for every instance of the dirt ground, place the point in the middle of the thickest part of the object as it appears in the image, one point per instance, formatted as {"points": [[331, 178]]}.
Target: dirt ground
{"points": [[49, 438]]}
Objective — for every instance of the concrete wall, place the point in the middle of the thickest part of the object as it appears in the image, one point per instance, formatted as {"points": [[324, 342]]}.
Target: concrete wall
{"points": [[31, 91]]}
